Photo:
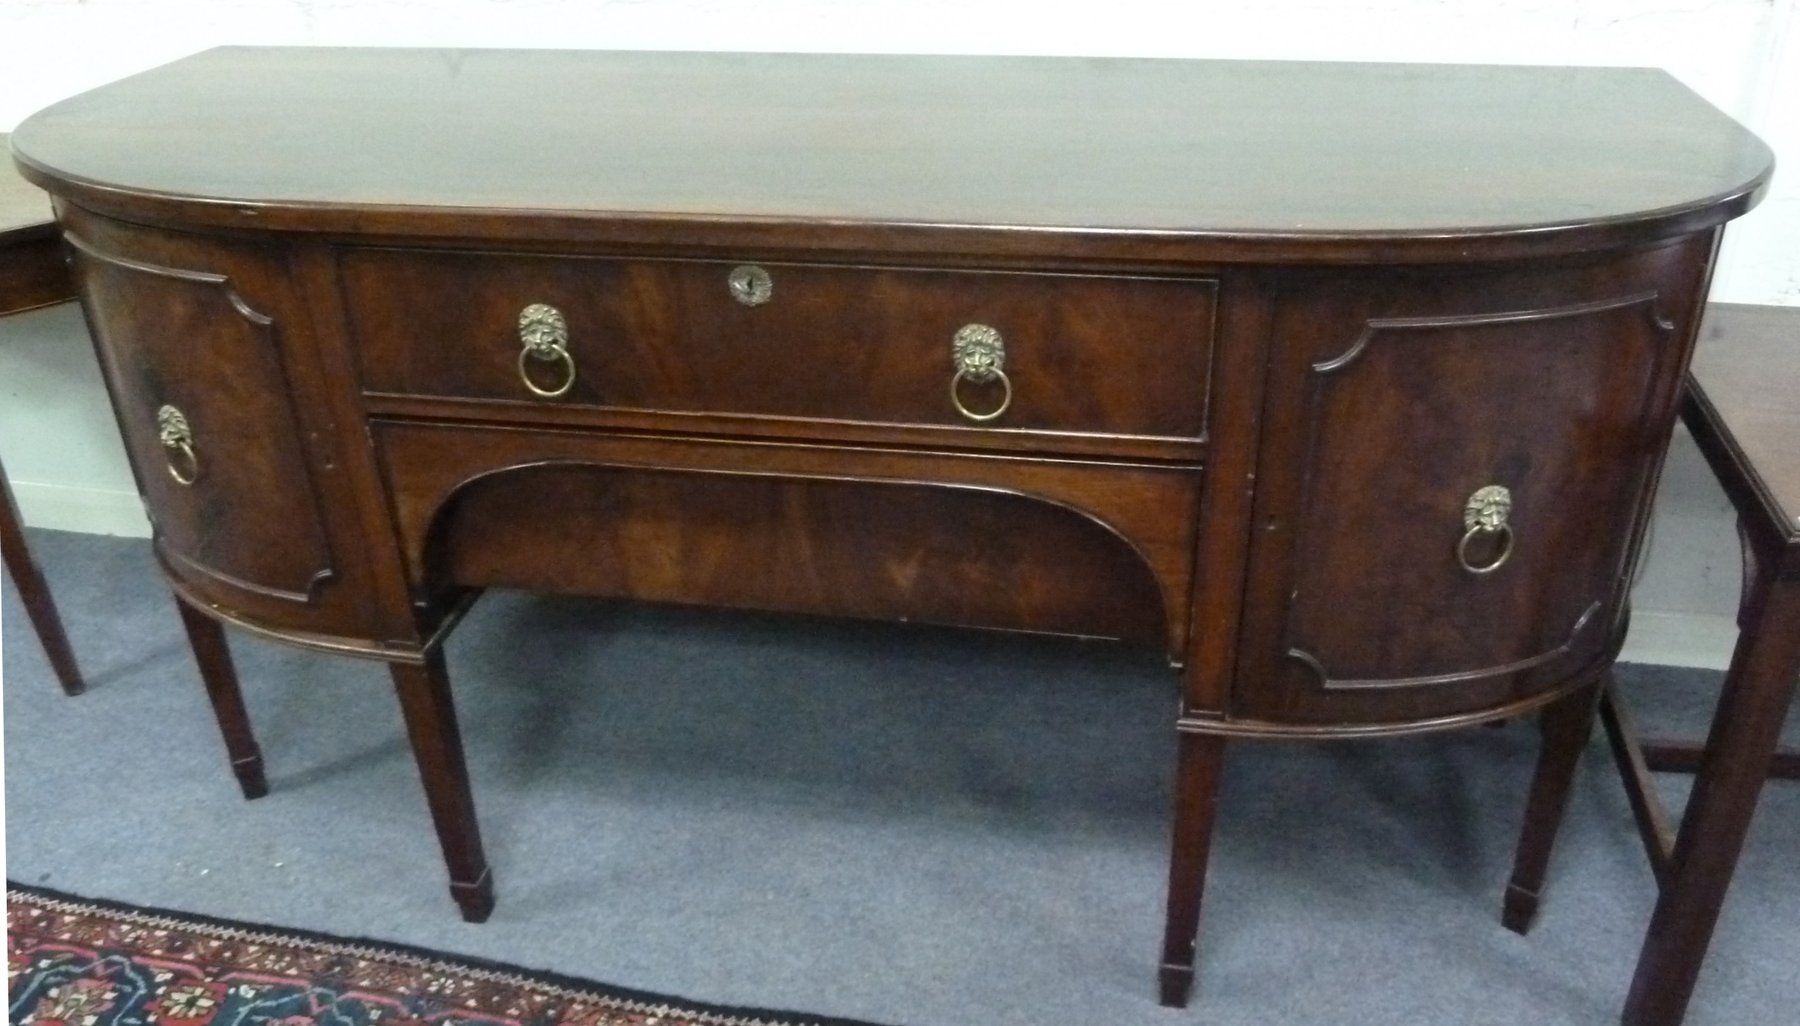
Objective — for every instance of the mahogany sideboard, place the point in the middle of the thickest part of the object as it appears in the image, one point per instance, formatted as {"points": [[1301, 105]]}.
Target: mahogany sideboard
{"points": [[1346, 386]]}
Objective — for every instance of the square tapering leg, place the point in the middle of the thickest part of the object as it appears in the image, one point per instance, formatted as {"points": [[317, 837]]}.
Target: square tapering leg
{"points": [[207, 639], [424, 691], [1567, 724], [1746, 728], [36, 593], [1199, 762]]}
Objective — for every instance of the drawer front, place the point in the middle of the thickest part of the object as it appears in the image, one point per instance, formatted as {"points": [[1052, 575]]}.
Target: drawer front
{"points": [[193, 336], [1454, 474], [1039, 352], [969, 539]]}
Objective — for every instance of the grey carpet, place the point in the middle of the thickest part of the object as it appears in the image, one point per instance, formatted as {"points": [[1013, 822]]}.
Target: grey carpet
{"points": [[912, 826]]}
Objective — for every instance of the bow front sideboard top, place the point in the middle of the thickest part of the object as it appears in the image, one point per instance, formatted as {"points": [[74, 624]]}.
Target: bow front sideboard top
{"points": [[1346, 386]]}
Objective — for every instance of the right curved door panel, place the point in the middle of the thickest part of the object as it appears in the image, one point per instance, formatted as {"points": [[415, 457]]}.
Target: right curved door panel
{"points": [[1452, 478]]}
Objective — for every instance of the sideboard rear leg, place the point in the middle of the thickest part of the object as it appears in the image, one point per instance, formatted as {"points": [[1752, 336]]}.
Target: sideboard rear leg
{"points": [[1567, 724], [207, 639], [1196, 802], [424, 690], [39, 606]]}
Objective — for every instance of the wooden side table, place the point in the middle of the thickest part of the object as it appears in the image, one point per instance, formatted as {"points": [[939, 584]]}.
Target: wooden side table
{"points": [[32, 274], [1743, 408]]}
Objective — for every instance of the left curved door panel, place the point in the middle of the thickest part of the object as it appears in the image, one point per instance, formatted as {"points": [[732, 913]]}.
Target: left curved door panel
{"points": [[190, 334]]}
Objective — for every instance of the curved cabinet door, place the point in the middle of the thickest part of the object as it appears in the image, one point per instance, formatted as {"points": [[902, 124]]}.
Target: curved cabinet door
{"points": [[190, 337], [1454, 471]]}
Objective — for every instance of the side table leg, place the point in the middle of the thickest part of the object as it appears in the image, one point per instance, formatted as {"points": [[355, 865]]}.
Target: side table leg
{"points": [[1745, 730], [38, 604], [1198, 766], [207, 639], [1567, 724], [424, 691]]}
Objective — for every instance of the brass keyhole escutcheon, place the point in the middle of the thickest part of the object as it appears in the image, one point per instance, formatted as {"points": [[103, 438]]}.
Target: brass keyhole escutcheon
{"points": [[750, 285]]}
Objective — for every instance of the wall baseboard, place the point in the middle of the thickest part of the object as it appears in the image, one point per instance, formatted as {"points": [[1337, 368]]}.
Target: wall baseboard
{"points": [[1698, 640], [85, 510]]}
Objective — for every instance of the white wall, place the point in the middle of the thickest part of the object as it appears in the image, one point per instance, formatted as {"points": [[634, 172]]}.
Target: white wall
{"points": [[1744, 55]]}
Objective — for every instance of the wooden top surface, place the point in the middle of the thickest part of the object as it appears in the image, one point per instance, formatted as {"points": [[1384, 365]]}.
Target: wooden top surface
{"points": [[1747, 368], [32, 271], [1400, 159], [22, 204]]}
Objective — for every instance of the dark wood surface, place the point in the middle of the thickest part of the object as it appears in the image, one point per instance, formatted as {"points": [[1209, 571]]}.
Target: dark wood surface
{"points": [[1567, 724], [1199, 763], [1647, 809], [1268, 327], [177, 332], [32, 270], [809, 529], [32, 274], [1354, 587], [425, 702], [209, 328], [1759, 689], [217, 672], [1393, 160], [839, 547], [34, 592], [1746, 367], [1666, 755], [1743, 412], [858, 344]]}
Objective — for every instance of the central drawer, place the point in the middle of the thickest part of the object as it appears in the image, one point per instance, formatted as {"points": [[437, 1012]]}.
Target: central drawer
{"points": [[1054, 353]]}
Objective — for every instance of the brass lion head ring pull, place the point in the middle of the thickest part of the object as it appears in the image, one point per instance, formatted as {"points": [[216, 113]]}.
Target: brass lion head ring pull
{"points": [[979, 354], [1485, 516], [178, 439], [545, 336]]}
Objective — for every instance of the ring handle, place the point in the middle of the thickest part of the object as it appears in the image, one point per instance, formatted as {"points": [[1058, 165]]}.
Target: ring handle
{"points": [[978, 353], [1485, 515], [1505, 532], [544, 333], [962, 375], [558, 355], [177, 438]]}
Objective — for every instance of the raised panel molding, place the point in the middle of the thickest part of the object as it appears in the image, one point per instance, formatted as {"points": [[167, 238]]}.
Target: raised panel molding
{"points": [[1376, 325], [1325, 373], [1328, 683], [262, 331]]}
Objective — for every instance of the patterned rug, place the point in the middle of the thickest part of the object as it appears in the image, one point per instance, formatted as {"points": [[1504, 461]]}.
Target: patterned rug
{"points": [[82, 962]]}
